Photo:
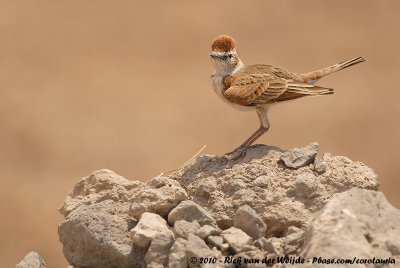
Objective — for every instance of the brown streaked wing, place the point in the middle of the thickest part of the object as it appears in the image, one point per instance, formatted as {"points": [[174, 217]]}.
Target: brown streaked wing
{"points": [[299, 89], [276, 88], [251, 89], [286, 96], [272, 70]]}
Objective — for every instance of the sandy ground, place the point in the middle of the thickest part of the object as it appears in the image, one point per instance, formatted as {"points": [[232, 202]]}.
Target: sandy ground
{"points": [[125, 86]]}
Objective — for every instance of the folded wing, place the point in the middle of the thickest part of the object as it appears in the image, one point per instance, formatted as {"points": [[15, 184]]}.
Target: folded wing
{"points": [[258, 89]]}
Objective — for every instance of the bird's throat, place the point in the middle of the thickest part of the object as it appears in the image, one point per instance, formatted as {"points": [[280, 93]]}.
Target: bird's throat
{"points": [[222, 68]]}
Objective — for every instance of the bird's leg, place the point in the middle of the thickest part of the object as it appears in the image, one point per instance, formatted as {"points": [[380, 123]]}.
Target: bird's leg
{"points": [[260, 132], [241, 150], [250, 140]]}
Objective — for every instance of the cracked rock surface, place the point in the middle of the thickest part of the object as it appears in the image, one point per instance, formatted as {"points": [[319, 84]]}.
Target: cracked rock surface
{"points": [[365, 225], [282, 196], [270, 203], [32, 260]]}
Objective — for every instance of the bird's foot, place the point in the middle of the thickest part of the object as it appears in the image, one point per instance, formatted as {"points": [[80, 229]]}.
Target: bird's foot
{"points": [[237, 153]]}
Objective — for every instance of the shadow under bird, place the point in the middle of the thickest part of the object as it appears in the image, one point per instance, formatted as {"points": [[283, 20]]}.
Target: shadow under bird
{"points": [[257, 87]]}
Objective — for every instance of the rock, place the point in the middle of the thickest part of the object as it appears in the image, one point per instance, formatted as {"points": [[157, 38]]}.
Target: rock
{"points": [[216, 241], [182, 228], [292, 230], [154, 265], [271, 245], [160, 196], [393, 246], [196, 248], [233, 186], [224, 247], [297, 158], [99, 186], [319, 166], [293, 241], [149, 226], [237, 239], [113, 222], [177, 255], [262, 181], [206, 190], [97, 235], [207, 230], [31, 260], [260, 243], [250, 222], [282, 196], [306, 186], [190, 211], [158, 251], [361, 221]]}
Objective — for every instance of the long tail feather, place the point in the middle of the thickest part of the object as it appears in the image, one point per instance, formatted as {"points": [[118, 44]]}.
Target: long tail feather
{"points": [[346, 64], [312, 77]]}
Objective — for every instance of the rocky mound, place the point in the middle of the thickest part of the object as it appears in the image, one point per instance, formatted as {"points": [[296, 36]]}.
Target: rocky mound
{"points": [[273, 207], [284, 188]]}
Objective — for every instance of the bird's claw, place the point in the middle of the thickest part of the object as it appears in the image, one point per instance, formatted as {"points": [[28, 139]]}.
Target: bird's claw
{"points": [[237, 153]]}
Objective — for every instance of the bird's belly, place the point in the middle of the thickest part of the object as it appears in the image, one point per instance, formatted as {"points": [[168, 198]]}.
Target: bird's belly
{"points": [[219, 87]]}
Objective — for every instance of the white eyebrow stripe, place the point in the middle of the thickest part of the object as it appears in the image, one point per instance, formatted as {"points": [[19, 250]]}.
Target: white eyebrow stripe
{"points": [[220, 53]]}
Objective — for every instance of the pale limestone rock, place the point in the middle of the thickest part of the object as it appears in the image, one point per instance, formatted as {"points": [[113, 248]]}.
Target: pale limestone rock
{"points": [[177, 255], [293, 241], [306, 186], [182, 228], [159, 249], [357, 222], [97, 235], [292, 230], [225, 247], [271, 245], [154, 265], [282, 196], [32, 260], [103, 208], [238, 240], [160, 195], [99, 186], [250, 222], [149, 226], [207, 189], [197, 248], [207, 230], [190, 211], [393, 246], [216, 241], [297, 158], [319, 166]]}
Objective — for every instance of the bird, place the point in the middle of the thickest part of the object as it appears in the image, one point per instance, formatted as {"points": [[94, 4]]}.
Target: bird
{"points": [[257, 87]]}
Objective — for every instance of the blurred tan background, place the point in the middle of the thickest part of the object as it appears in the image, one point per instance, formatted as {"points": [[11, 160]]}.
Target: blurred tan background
{"points": [[124, 85]]}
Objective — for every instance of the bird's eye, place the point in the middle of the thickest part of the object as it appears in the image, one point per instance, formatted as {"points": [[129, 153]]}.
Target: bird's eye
{"points": [[230, 56]]}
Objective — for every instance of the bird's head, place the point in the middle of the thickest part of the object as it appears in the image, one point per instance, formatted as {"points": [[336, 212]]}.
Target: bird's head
{"points": [[224, 56]]}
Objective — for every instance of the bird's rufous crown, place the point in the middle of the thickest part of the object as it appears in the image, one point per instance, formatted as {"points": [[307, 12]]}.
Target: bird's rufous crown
{"points": [[223, 43]]}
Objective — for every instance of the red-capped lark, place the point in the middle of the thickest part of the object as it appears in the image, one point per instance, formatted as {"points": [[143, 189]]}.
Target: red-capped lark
{"points": [[258, 87]]}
